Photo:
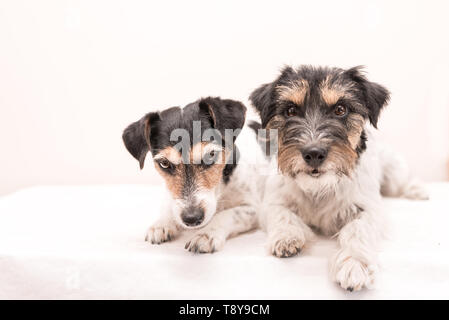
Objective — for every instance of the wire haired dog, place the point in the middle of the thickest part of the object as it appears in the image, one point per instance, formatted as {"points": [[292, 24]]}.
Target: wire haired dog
{"points": [[194, 150], [332, 170]]}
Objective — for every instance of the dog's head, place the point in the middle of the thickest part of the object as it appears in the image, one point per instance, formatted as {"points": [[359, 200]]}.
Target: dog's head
{"points": [[320, 115], [193, 150]]}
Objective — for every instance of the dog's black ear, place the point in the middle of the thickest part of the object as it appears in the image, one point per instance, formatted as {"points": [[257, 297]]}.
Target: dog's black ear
{"points": [[376, 96], [262, 99], [223, 113], [137, 136]]}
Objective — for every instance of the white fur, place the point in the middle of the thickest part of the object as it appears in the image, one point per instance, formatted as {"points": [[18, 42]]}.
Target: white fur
{"points": [[349, 208]]}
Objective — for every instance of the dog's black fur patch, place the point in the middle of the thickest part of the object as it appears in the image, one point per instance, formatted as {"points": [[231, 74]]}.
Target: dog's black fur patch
{"points": [[374, 97], [230, 167], [152, 132], [361, 147]]}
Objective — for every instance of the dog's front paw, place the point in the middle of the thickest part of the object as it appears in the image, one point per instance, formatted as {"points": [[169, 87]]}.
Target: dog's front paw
{"points": [[205, 242], [352, 274], [286, 243], [158, 233]]}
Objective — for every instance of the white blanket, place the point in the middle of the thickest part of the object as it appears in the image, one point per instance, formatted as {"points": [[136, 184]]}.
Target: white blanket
{"points": [[87, 242]]}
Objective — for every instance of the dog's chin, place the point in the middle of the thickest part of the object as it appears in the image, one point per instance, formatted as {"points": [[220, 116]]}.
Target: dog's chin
{"points": [[311, 173], [313, 182]]}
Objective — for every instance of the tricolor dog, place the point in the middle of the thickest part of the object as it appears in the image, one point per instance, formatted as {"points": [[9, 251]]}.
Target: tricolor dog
{"points": [[332, 170], [211, 187]]}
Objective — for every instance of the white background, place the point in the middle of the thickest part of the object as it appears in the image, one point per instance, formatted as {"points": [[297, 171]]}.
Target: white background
{"points": [[73, 74]]}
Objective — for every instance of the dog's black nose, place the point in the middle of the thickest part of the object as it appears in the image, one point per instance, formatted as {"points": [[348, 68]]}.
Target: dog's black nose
{"points": [[314, 156], [192, 216]]}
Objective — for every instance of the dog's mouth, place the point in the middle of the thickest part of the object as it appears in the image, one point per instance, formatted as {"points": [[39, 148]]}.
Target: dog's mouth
{"points": [[315, 173]]}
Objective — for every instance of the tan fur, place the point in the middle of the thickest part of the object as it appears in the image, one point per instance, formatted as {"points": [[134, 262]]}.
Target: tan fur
{"points": [[294, 92], [171, 154], [342, 158], [199, 150], [356, 123], [210, 177], [290, 160], [331, 93], [204, 178], [174, 182]]}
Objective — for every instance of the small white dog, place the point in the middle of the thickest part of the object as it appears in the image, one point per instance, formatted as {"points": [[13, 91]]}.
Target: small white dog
{"points": [[332, 170]]}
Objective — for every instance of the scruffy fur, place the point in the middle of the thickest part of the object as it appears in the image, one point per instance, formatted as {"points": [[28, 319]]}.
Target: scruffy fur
{"points": [[332, 169]]}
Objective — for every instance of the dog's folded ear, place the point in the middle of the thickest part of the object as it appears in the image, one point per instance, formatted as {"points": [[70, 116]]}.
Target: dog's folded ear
{"points": [[137, 136], [262, 98], [223, 113], [376, 96]]}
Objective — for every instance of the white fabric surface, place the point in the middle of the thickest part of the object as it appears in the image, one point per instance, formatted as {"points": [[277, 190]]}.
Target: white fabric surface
{"points": [[87, 242]]}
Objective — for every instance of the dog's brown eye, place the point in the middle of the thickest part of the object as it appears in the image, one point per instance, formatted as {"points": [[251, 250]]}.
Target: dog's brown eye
{"points": [[210, 158], [340, 111], [291, 112], [165, 164]]}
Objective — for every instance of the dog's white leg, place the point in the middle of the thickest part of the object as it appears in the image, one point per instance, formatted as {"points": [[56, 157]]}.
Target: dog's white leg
{"points": [[287, 233], [355, 264], [224, 224], [165, 228]]}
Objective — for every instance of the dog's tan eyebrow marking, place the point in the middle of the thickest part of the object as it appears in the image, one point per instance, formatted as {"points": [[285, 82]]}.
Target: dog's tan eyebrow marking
{"points": [[331, 93], [200, 149], [331, 96], [295, 91], [171, 154]]}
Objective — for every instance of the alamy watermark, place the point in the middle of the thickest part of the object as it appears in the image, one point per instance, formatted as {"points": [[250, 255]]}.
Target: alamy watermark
{"points": [[213, 142]]}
